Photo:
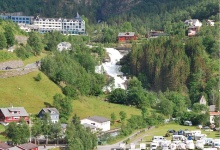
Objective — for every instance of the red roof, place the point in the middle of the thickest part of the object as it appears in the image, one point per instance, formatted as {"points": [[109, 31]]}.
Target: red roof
{"points": [[214, 113]]}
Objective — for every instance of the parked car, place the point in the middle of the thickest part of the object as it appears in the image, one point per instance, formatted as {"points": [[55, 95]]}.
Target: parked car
{"points": [[171, 131], [188, 123], [206, 127]]}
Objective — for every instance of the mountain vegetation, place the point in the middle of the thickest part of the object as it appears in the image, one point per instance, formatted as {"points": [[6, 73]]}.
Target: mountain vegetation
{"points": [[166, 75]]}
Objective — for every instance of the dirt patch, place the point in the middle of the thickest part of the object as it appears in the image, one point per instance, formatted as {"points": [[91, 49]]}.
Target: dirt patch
{"points": [[11, 64], [17, 72]]}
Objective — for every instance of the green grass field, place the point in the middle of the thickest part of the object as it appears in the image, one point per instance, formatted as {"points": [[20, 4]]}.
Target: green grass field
{"points": [[6, 56], [24, 91], [89, 106]]}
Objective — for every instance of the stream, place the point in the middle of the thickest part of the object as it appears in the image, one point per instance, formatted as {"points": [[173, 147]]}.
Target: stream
{"points": [[112, 69]]}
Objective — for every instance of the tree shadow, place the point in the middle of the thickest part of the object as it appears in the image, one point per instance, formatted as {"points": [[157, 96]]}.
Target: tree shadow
{"points": [[217, 135], [48, 104]]}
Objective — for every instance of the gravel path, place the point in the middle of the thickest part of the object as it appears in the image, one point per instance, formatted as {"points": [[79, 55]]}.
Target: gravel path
{"points": [[17, 68]]}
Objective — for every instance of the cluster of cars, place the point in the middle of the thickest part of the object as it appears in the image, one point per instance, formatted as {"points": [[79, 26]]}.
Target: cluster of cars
{"points": [[183, 140]]}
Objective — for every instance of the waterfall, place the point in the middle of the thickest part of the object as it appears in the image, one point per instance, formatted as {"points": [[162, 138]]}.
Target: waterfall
{"points": [[112, 69]]}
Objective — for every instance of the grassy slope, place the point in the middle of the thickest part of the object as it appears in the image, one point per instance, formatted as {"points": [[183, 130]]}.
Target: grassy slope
{"points": [[89, 106], [25, 91]]}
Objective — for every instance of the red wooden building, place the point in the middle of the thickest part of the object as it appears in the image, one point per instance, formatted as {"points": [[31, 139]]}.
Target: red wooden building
{"points": [[126, 36], [13, 114]]}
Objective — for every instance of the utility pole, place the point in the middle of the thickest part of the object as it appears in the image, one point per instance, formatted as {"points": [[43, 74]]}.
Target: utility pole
{"points": [[30, 127]]}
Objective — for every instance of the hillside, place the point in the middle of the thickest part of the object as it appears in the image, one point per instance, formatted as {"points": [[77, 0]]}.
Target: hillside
{"points": [[24, 91]]}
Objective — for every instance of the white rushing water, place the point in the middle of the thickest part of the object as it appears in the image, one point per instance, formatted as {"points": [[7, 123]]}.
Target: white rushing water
{"points": [[112, 69]]}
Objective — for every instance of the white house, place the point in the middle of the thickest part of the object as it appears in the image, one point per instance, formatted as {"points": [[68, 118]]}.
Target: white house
{"points": [[194, 26], [64, 46], [213, 113], [210, 22], [97, 121], [193, 22]]}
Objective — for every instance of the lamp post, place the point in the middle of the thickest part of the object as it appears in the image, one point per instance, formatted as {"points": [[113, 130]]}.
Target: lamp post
{"points": [[30, 126]]}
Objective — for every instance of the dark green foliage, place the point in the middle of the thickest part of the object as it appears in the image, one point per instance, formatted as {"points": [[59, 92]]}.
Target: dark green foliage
{"points": [[76, 70], [70, 91], [3, 41], [52, 39], [118, 96], [18, 133], [78, 137], [35, 42], [23, 52], [38, 77], [198, 108], [9, 35], [63, 105], [113, 118], [123, 116]]}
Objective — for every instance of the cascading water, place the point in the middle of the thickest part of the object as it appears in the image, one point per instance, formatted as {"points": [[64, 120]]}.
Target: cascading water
{"points": [[112, 69]]}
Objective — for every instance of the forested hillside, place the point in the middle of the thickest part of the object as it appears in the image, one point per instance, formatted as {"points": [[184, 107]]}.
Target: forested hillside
{"points": [[167, 74], [147, 13]]}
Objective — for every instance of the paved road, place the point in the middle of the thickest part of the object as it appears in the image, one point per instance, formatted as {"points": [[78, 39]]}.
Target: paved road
{"points": [[116, 145]]}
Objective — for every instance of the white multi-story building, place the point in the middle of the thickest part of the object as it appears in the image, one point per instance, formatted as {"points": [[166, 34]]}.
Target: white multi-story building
{"points": [[66, 26]]}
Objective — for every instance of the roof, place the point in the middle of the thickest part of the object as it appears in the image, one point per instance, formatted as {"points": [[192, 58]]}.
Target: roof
{"points": [[6, 111], [28, 146], [14, 148], [63, 125], [214, 113], [212, 108], [51, 110], [126, 34], [4, 146], [98, 119], [86, 125]]}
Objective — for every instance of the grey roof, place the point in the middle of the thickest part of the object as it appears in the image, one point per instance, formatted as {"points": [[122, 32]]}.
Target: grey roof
{"points": [[212, 108], [6, 111], [86, 125], [98, 119], [27, 146], [51, 110], [63, 125], [4, 146], [126, 34], [14, 148]]}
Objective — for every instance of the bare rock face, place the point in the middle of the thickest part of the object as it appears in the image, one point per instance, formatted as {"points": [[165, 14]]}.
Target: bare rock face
{"points": [[11, 64]]}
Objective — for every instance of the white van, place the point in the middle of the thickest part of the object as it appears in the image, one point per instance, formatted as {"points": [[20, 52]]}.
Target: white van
{"points": [[200, 144], [161, 138], [190, 144], [188, 123], [196, 132], [216, 143], [208, 141], [154, 145], [178, 138], [199, 136]]}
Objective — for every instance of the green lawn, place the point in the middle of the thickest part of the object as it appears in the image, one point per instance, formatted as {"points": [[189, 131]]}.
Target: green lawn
{"points": [[89, 106], [6, 56], [25, 91], [2, 137]]}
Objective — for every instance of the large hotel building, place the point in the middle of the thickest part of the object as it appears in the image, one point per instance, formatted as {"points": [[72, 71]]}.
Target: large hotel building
{"points": [[65, 26]]}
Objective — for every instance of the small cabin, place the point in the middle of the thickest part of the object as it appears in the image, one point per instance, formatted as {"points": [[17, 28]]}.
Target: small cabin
{"points": [[127, 36]]}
